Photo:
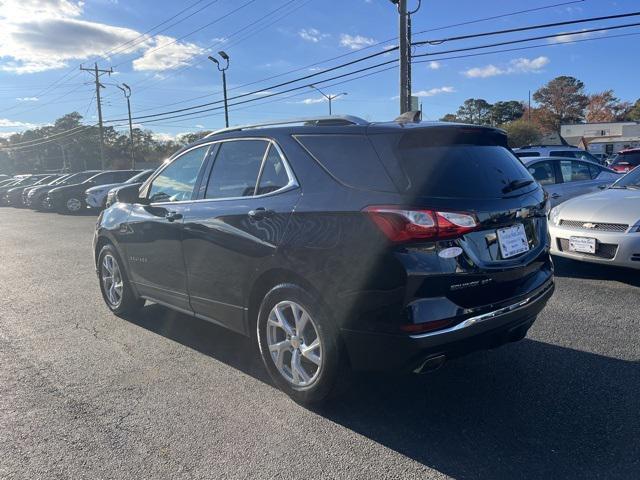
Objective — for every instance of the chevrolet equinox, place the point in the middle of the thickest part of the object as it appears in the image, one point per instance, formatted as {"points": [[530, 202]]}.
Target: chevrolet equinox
{"points": [[337, 244]]}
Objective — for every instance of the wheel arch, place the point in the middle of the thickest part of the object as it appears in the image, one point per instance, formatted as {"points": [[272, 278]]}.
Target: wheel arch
{"points": [[265, 282]]}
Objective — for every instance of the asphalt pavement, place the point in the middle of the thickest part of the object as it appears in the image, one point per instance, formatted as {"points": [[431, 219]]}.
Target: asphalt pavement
{"points": [[85, 394]]}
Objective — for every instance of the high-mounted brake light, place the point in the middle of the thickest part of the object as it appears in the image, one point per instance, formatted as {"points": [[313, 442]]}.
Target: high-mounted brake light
{"points": [[401, 224]]}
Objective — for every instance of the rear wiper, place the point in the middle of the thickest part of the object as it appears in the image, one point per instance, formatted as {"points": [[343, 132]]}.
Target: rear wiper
{"points": [[515, 185]]}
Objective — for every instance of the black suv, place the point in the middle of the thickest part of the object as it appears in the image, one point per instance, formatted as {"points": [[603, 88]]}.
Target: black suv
{"points": [[338, 244]]}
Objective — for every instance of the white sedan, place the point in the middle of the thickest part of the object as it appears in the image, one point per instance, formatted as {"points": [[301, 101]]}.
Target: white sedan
{"points": [[602, 227]]}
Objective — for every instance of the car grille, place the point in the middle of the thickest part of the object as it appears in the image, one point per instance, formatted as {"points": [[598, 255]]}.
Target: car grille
{"points": [[603, 250], [601, 227]]}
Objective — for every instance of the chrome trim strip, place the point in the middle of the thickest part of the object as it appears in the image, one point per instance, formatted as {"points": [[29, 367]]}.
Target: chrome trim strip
{"points": [[469, 322]]}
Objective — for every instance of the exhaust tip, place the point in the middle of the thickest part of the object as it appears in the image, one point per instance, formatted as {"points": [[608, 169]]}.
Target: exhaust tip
{"points": [[431, 364]]}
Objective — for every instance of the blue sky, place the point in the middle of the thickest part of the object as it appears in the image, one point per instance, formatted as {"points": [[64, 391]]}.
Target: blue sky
{"points": [[43, 42]]}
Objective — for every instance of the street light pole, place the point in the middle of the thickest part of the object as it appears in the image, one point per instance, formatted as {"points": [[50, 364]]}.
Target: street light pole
{"points": [[224, 82], [126, 89], [328, 97]]}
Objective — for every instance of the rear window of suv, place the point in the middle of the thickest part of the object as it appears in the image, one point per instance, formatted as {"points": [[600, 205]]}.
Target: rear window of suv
{"points": [[462, 171], [632, 158]]}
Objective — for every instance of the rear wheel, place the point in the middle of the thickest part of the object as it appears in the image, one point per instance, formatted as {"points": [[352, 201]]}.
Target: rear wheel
{"points": [[299, 345], [114, 284]]}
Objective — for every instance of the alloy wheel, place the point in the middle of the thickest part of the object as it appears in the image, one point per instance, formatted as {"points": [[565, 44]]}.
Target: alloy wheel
{"points": [[74, 205], [294, 343], [112, 280]]}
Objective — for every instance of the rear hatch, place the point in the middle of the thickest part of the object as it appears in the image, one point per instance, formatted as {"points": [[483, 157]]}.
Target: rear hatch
{"points": [[491, 245]]}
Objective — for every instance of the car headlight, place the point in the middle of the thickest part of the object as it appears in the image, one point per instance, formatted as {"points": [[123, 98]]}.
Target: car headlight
{"points": [[554, 215]]}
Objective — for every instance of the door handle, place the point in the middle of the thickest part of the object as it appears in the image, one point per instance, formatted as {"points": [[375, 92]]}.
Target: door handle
{"points": [[556, 195], [173, 216], [260, 213]]}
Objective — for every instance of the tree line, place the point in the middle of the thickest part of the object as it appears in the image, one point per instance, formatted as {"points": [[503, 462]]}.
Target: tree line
{"points": [[561, 101], [81, 150]]}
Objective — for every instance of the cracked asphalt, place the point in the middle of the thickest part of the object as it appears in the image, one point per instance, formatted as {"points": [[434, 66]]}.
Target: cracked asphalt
{"points": [[84, 394]]}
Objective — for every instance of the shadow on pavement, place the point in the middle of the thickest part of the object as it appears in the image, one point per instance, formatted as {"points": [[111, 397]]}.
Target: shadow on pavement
{"points": [[527, 410], [565, 267]]}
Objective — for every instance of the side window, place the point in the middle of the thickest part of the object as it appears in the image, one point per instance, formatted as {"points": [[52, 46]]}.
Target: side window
{"points": [[235, 170], [177, 181], [595, 171], [274, 175], [574, 171], [543, 173]]}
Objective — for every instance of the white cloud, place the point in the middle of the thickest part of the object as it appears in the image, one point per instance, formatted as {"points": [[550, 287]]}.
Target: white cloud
{"points": [[434, 65], [355, 42], [312, 101], [165, 55], [517, 65], [572, 37], [434, 91], [27, 99], [312, 35], [39, 35], [5, 122]]}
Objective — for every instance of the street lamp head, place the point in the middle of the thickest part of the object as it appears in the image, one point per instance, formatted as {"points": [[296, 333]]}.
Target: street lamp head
{"points": [[126, 86], [223, 55], [214, 60]]}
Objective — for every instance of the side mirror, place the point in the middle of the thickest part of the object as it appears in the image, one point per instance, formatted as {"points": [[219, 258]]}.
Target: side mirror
{"points": [[130, 194], [603, 187]]}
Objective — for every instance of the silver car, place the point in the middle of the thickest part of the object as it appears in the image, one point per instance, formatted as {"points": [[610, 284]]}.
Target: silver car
{"points": [[566, 178], [602, 227]]}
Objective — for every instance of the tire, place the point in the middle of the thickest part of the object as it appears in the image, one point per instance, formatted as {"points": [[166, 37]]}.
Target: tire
{"points": [[322, 371], [72, 205], [120, 301]]}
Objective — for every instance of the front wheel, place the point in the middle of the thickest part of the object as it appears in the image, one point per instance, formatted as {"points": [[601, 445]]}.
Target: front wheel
{"points": [[114, 284], [72, 205], [299, 345]]}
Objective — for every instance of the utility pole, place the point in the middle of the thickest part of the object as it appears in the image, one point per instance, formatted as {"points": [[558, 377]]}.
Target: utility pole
{"points": [[529, 110], [404, 50], [329, 97], [405, 54], [97, 72], [126, 89], [224, 82]]}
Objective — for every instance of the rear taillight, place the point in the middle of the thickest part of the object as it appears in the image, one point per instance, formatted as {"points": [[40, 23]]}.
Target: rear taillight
{"points": [[401, 224]]}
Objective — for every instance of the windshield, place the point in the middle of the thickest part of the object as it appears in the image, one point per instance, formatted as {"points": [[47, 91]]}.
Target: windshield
{"points": [[632, 158], [630, 180]]}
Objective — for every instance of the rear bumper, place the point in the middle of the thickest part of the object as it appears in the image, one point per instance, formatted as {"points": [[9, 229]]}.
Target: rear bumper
{"points": [[376, 351]]}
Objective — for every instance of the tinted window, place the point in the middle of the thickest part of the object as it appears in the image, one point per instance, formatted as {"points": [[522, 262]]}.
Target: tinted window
{"points": [[350, 159], [177, 181], [274, 175], [630, 158], [235, 170], [467, 171], [574, 171], [140, 177], [595, 171], [527, 154], [563, 154], [543, 173]]}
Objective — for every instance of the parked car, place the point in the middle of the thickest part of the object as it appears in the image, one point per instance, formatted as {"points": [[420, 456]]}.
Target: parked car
{"points": [[71, 199], [564, 179], [96, 197], [340, 244], [565, 151], [14, 195], [26, 191], [626, 160], [602, 227], [7, 181], [37, 195], [23, 181]]}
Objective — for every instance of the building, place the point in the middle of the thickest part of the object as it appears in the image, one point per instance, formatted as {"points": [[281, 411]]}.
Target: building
{"points": [[605, 137]]}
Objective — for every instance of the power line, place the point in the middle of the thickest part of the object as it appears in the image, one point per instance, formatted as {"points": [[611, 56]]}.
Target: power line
{"points": [[180, 115], [373, 55], [305, 67]]}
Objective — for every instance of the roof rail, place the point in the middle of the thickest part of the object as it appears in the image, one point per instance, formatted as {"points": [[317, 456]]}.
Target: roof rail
{"points": [[309, 121]]}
